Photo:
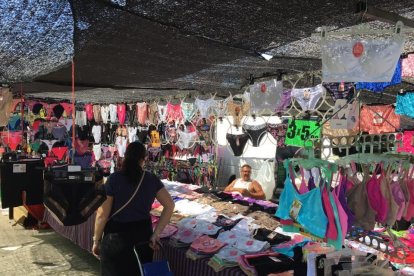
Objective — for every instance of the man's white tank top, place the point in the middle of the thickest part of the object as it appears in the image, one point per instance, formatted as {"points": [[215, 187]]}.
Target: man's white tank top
{"points": [[241, 184]]}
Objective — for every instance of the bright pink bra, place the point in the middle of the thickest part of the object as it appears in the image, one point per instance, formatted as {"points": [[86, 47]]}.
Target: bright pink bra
{"points": [[376, 199]]}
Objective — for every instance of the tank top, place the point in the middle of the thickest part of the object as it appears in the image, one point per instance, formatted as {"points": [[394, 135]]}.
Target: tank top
{"points": [[241, 184]]}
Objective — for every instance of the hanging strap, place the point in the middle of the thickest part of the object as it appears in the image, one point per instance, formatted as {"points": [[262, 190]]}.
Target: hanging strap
{"points": [[133, 195]]}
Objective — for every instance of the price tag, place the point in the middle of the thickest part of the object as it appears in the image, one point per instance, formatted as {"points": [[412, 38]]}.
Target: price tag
{"points": [[19, 168], [300, 133], [295, 209]]}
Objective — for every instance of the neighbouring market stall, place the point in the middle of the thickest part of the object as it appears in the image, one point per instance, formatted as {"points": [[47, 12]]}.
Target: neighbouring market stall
{"points": [[334, 158]]}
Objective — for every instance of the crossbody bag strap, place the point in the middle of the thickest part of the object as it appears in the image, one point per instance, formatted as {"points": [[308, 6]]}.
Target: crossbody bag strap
{"points": [[133, 195]]}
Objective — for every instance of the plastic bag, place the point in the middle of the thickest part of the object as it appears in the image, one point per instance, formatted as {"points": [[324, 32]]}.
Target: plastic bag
{"points": [[266, 178]]}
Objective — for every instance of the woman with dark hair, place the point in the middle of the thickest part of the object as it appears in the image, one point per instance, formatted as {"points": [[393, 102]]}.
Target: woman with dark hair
{"points": [[124, 218]]}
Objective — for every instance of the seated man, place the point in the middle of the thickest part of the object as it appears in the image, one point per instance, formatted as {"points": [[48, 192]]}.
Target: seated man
{"points": [[245, 185]]}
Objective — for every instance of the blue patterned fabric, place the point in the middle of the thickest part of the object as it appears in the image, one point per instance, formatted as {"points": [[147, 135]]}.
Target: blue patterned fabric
{"points": [[380, 86], [405, 104]]}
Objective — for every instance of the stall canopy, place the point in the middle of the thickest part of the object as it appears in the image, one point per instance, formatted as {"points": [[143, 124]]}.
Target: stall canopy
{"points": [[168, 47]]}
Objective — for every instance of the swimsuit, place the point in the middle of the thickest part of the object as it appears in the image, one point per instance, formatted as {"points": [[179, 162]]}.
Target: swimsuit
{"points": [[308, 98], [142, 113], [255, 132], [112, 113], [89, 111], [237, 142], [188, 110], [204, 106], [96, 132], [97, 113], [265, 95], [105, 113], [121, 113]]}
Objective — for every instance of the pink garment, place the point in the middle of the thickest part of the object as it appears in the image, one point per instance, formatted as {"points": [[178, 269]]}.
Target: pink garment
{"points": [[174, 112], [399, 198], [168, 231], [121, 110], [408, 66], [207, 245], [89, 112], [375, 197], [407, 142], [343, 216], [410, 185], [331, 231], [142, 113]]}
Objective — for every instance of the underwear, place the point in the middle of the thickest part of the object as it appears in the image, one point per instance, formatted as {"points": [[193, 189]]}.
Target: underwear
{"points": [[66, 122], [105, 114], [152, 113], [80, 119], [155, 139], [408, 66], [68, 107], [264, 95], [284, 101], [143, 134], [306, 209], [142, 113], [206, 245], [59, 132], [220, 108], [237, 111], [380, 86], [340, 90], [174, 112], [186, 139], [255, 132], [58, 111], [49, 143], [96, 133], [112, 113], [97, 151], [72, 196], [162, 112], [188, 110], [35, 146], [405, 104], [376, 199], [89, 111], [97, 113], [379, 119], [131, 114], [81, 146], [59, 152], [12, 139], [278, 131], [308, 98], [14, 123], [172, 133], [237, 142], [204, 106], [121, 113], [121, 144], [132, 134]]}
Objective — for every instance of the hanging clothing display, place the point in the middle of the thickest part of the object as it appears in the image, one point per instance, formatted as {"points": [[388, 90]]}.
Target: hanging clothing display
{"points": [[380, 86], [362, 60], [204, 106], [265, 96], [308, 98], [376, 119], [340, 90]]}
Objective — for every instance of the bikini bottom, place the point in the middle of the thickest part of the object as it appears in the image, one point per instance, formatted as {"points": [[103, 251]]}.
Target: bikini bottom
{"points": [[237, 142], [59, 132], [308, 98], [340, 90], [186, 140], [59, 152], [97, 151], [12, 139], [278, 131], [256, 133]]}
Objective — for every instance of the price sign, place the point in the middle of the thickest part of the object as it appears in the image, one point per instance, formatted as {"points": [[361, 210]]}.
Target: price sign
{"points": [[300, 133]]}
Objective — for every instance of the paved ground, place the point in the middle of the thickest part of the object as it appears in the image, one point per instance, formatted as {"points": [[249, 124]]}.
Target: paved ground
{"points": [[41, 252]]}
